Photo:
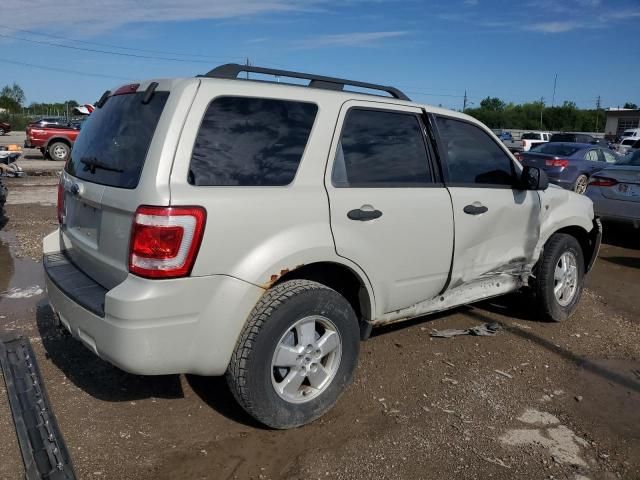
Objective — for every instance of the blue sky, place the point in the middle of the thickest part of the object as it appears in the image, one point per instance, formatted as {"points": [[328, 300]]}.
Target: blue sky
{"points": [[432, 50]]}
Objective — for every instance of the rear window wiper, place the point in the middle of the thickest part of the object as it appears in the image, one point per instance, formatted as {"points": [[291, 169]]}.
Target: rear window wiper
{"points": [[92, 163]]}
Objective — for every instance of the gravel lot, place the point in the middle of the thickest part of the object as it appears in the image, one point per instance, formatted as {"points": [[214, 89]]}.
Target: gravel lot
{"points": [[538, 400]]}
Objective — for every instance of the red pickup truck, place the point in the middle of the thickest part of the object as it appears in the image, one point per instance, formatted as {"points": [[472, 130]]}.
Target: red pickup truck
{"points": [[54, 141]]}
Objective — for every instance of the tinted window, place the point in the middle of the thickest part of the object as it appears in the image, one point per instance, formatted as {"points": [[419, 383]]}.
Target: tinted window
{"points": [[560, 149], [531, 136], [112, 145], [631, 159], [472, 156], [251, 142], [562, 137], [381, 149], [630, 141]]}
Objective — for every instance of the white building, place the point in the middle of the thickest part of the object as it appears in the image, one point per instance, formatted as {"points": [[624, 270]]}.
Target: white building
{"points": [[621, 119]]}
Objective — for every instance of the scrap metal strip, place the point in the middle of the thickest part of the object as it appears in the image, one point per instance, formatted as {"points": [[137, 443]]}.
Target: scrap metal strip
{"points": [[44, 452]]}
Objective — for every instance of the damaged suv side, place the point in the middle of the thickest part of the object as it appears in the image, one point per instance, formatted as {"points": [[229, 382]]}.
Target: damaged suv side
{"points": [[258, 230]]}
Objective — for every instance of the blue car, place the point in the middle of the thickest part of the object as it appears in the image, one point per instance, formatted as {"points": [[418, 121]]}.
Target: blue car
{"points": [[569, 165]]}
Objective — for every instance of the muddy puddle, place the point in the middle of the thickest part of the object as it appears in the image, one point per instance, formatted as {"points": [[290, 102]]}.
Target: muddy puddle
{"points": [[21, 287]]}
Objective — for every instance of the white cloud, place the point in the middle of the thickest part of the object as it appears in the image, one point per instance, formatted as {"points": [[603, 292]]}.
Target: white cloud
{"points": [[354, 39], [471, 3], [99, 15], [553, 27]]}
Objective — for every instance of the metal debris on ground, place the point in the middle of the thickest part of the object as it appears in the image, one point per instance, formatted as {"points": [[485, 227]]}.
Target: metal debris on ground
{"points": [[484, 330]]}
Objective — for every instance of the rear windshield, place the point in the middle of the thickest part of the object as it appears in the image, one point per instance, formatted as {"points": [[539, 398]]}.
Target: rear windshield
{"points": [[629, 133], [631, 141], [555, 149], [563, 137], [531, 136], [113, 143]]}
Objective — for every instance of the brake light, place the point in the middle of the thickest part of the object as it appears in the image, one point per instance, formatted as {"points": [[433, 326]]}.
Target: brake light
{"points": [[60, 202], [165, 240], [557, 163], [125, 89], [518, 156], [603, 182]]}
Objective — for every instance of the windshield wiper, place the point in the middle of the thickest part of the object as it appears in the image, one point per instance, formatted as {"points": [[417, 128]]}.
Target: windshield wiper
{"points": [[92, 163]]}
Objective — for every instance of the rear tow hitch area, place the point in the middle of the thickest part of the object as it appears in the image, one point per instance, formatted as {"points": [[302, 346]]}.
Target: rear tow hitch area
{"points": [[44, 452]]}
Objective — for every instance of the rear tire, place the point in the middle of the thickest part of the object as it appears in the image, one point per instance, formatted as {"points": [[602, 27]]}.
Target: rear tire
{"points": [[580, 186], [1, 132], [59, 151], [296, 354], [559, 277]]}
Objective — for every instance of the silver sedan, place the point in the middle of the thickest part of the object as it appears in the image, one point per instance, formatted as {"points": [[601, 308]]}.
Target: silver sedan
{"points": [[615, 191]]}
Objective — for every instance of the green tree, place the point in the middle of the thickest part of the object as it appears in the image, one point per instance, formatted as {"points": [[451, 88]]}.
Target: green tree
{"points": [[631, 105], [13, 92]]}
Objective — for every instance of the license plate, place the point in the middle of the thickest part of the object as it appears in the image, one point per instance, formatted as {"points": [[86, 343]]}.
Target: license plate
{"points": [[629, 190]]}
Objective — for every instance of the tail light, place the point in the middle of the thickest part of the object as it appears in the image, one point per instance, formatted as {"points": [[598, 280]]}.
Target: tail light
{"points": [[603, 182], [557, 163], [518, 156], [165, 241], [60, 202]]}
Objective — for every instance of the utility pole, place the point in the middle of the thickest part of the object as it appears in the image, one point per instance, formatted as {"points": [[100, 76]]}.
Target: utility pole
{"points": [[464, 103], [541, 109], [597, 111], [247, 64], [553, 100]]}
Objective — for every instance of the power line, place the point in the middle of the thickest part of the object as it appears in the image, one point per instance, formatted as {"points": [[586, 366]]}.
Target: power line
{"points": [[95, 50], [62, 70], [107, 45]]}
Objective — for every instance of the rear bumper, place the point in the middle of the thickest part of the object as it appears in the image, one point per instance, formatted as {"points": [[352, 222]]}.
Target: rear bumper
{"points": [[613, 209], [156, 327]]}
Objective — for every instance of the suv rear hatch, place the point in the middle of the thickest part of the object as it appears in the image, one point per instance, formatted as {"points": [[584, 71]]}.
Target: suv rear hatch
{"points": [[101, 187]]}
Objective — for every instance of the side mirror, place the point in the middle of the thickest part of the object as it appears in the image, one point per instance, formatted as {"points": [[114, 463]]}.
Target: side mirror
{"points": [[534, 178]]}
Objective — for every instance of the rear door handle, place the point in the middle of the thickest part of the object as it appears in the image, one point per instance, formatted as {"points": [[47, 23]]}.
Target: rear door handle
{"points": [[475, 209], [364, 215]]}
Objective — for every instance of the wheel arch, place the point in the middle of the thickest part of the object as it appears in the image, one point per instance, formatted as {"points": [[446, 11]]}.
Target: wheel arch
{"points": [[589, 240], [53, 140], [344, 280]]}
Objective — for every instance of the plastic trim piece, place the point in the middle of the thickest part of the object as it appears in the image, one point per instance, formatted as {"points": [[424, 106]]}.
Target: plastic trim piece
{"points": [[232, 70], [74, 283], [44, 452]]}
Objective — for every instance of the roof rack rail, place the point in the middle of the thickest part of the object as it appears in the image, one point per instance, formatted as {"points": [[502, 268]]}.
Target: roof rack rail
{"points": [[232, 70]]}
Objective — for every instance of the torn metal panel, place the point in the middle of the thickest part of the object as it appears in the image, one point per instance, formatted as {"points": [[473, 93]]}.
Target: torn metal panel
{"points": [[480, 289], [44, 452]]}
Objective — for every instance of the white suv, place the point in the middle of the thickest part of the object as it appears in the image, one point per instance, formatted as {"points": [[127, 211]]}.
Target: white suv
{"points": [[217, 225]]}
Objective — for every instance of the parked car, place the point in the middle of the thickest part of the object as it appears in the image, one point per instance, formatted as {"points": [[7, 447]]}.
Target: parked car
{"points": [[630, 133], [4, 128], [54, 142], [514, 146], [569, 165], [615, 191], [628, 145], [221, 226], [573, 138], [531, 139], [49, 122]]}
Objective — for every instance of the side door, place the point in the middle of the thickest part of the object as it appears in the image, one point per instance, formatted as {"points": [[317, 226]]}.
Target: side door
{"points": [[497, 225], [390, 211]]}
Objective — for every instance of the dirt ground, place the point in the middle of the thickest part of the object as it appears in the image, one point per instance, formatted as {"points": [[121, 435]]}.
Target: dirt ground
{"points": [[538, 400]]}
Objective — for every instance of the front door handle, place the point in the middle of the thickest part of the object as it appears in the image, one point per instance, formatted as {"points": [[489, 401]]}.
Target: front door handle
{"points": [[475, 209], [364, 215]]}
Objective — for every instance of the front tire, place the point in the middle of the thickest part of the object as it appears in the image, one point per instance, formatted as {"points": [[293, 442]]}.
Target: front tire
{"points": [[559, 277], [296, 354]]}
